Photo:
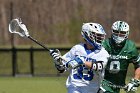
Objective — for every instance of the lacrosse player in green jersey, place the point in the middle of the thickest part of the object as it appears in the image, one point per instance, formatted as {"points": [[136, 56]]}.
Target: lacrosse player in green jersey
{"points": [[122, 52]]}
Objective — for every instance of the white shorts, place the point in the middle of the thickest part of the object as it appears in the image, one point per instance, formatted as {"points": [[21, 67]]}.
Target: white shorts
{"points": [[82, 89]]}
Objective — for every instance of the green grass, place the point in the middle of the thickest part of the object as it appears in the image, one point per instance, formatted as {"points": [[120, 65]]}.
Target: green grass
{"points": [[32, 85]]}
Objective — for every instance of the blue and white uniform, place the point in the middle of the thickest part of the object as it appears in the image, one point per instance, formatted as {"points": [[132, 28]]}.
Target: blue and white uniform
{"points": [[82, 79]]}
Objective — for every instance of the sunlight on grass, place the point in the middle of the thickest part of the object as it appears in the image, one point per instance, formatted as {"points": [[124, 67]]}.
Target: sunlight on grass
{"points": [[32, 85]]}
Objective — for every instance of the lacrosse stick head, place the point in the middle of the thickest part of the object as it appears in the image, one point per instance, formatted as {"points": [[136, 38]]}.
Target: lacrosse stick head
{"points": [[16, 26]]}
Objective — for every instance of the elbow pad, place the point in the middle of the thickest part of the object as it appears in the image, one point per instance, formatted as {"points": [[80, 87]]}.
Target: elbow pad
{"points": [[97, 66]]}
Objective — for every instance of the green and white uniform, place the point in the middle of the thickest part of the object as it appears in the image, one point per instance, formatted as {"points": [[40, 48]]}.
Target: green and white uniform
{"points": [[118, 63]]}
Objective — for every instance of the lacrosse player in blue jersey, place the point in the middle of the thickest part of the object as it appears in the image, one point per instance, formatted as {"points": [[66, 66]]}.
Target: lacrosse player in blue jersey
{"points": [[85, 61]]}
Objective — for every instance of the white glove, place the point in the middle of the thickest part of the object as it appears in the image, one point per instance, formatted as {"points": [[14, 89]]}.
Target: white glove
{"points": [[133, 84], [79, 60], [56, 55]]}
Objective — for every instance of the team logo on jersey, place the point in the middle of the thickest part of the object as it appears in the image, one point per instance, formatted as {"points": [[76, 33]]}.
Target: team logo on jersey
{"points": [[118, 57]]}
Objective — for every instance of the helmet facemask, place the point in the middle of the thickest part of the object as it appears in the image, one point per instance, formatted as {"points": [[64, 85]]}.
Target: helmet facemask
{"points": [[96, 37], [119, 36]]}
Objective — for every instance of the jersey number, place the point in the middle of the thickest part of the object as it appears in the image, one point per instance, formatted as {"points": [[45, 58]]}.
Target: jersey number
{"points": [[84, 73], [114, 67]]}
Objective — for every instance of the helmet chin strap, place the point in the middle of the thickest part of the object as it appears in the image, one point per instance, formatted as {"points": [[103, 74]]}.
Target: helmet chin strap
{"points": [[118, 39], [121, 44]]}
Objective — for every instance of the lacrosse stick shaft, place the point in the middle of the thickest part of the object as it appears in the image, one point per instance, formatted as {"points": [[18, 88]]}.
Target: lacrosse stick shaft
{"points": [[41, 45], [16, 26], [38, 43]]}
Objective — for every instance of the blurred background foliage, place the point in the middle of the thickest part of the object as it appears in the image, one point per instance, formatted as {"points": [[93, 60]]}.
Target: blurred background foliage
{"points": [[58, 22], [55, 23]]}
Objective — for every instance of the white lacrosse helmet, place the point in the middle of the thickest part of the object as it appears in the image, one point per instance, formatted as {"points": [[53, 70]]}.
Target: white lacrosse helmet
{"points": [[93, 33], [120, 31]]}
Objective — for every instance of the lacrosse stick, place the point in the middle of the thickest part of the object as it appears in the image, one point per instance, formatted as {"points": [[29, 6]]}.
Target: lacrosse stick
{"points": [[17, 27], [117, 86]]}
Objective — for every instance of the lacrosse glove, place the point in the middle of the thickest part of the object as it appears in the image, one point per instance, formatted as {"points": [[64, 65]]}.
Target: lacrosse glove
{"points": [[133, 85], [79, 60], [56, 55]]}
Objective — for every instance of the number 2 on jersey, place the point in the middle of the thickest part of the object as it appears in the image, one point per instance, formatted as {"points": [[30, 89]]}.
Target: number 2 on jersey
{"points": [[84, 73]]}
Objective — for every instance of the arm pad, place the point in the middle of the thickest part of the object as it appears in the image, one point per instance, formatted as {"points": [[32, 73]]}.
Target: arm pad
{"points": [[98, 65], [75, 62]]}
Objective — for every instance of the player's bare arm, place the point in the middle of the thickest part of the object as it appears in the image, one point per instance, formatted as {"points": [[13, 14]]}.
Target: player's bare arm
{"points": [[137, 73]]}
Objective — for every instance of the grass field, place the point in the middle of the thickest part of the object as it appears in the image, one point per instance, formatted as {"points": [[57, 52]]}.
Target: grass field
{"points": [[34, 85]]}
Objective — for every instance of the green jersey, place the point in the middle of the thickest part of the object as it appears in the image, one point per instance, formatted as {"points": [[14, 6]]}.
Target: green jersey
{"points": [[119, 60]]}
